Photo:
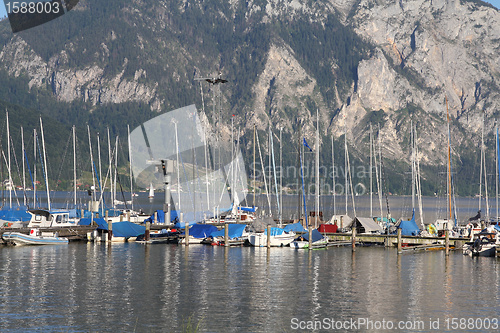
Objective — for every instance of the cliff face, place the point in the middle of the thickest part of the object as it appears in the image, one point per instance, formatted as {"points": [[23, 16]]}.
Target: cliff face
{"points": [[284, 62]]}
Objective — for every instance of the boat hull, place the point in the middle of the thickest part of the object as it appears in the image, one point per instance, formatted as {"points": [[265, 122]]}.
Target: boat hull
{"points": [[305, 244], [18, 238], [276, 241]]}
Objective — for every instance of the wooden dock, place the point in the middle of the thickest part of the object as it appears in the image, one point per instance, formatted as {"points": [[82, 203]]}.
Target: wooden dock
{"points": [[392, 240]]}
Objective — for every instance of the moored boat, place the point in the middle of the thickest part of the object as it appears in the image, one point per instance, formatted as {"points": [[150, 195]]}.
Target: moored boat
{"points": [[317, 241], [278, 237], [34, 238]]}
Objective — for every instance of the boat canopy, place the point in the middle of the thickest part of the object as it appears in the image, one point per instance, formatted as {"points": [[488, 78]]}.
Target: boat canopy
{"points": [[248, 209], [366, 225], [316, 235], [202, 230], [234, 231], [275, 231], [294, 227], [409, 228]]}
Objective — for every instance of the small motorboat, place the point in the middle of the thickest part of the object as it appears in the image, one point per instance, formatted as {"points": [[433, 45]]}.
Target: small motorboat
{"points": [[279, 237], [483, 244], [35, 237]]}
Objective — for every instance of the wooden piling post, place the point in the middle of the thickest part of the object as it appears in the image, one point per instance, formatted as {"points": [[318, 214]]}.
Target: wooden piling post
{"points": [[106, 214], [353, 237], [186, 233], [121, 217], [447, 242], [128, 216], [226, 235], [268, 236], [156, 217], [147, 233], [310, 237], [110, 231], [400, 250]]}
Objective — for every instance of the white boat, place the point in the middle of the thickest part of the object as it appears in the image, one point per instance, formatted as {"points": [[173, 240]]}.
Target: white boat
{"points": [[41, 218], [484, 244], [34, 238], [151, 191], [279, 237], [318, 241]]}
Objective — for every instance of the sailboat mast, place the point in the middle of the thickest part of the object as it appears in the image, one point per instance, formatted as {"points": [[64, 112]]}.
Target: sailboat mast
{"points": [[8, 159], [317, 188], [34, 168], [481, 166], [110, 168], [281, 181], [74, 165], [254, 180], [412, 140], [346, 191], [449, 163], [91, 164], [130, 168], [45, 165], [497, 174], [24, 170], [371, 171], [99, 181], [333, 179]]}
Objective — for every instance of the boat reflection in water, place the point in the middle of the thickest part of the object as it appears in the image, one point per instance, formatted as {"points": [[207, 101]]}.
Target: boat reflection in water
{"points": [[256, 289]]}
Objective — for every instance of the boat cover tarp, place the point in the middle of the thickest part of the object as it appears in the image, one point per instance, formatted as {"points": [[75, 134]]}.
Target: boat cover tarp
{"points": [[15, 214], [120, 229], [296, 227], [127, 229], [202, 230], [330, 228], [409, 228], [161, 216], [497, 227], [275, 231], [367, 223], [316, 235], [346, 220], [248, 209], [234, 231]]}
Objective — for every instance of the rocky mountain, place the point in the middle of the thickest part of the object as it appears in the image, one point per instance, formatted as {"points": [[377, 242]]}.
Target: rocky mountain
{"points": [[359, 62]]}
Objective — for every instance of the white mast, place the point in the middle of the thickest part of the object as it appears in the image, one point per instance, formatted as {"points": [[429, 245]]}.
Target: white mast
{"points": [[333, 180], [45, 164], [345, 164], [496, 178], [34, 168], [74, 165], [91, 165], [8, 159], [116, 172], [110, 164], [130, 167], [24, 170], [274, 171], [317, 189], [412, 140], [371, 171], [101, 184], [419, 187], [281, 181], [379, 178], [178, 173]]}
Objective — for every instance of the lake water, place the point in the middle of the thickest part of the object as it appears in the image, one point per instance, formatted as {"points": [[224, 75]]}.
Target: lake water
{"points": [[129, 287]]}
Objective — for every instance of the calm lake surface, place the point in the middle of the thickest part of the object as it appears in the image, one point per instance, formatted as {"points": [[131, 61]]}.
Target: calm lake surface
{"points": [[129, 287]]}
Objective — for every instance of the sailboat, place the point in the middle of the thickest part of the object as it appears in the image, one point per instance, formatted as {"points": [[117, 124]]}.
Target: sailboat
{"points": [[151, 191]]}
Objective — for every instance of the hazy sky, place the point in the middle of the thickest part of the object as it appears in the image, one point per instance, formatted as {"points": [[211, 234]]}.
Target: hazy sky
{"points": [[3, 12]]}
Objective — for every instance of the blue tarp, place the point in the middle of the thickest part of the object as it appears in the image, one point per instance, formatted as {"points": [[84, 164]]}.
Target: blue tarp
{"points": [[202, 230], [127, 229], [316, 235], [248, 209], [294, 227], [234, 231], [120, 229], [161, 216], [275, 231], [497, 227], [15, 214], [409, 228]]}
